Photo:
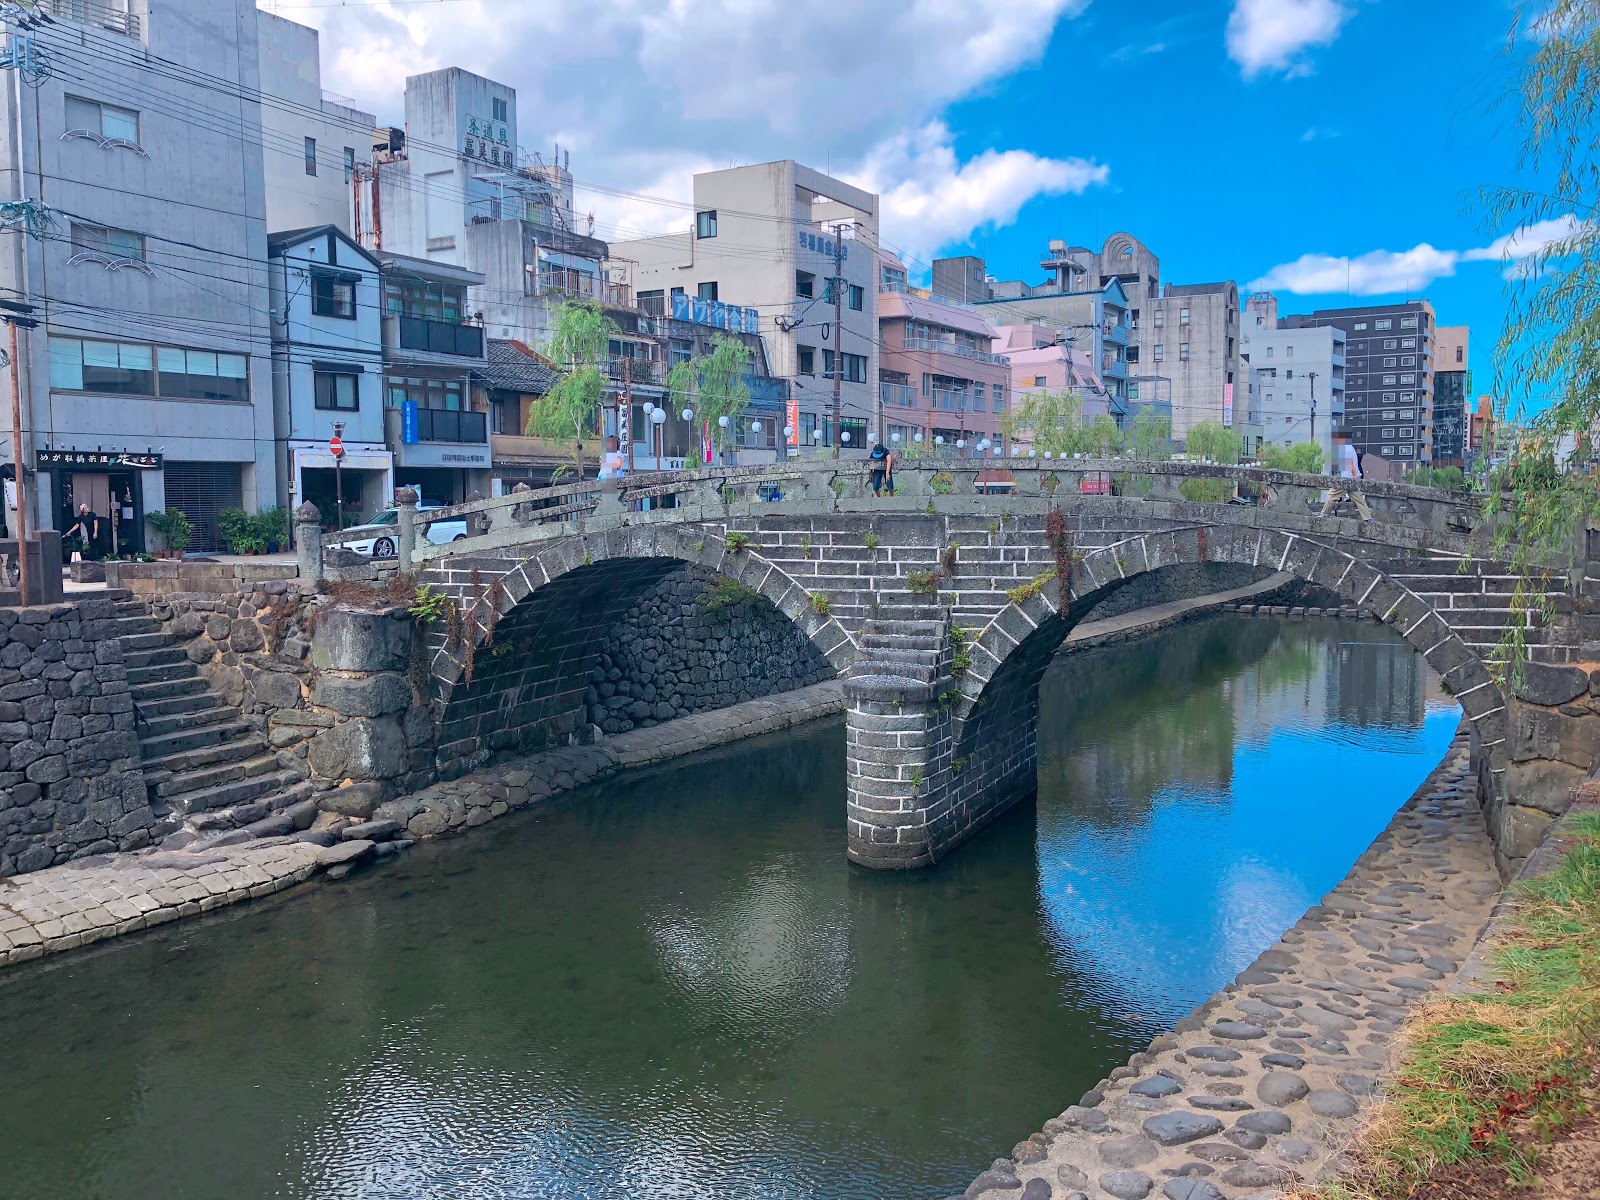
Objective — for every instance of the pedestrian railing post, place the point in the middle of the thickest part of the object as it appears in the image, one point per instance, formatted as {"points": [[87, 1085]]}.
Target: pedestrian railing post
{"points": [[308, 541], [406, 498]]}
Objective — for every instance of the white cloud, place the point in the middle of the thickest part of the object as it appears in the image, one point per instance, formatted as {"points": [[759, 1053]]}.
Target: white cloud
{"points": [[1270, 35], [1376, 273], [930, 198], [645, 92], [1386, 272]]}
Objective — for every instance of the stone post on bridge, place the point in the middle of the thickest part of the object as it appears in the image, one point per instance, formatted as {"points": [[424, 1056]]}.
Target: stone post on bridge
{"points": [[407, 499], [308, 541]]}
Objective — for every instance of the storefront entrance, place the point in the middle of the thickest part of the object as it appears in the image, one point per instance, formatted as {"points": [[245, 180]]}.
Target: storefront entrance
{"points": [[116, 497]]}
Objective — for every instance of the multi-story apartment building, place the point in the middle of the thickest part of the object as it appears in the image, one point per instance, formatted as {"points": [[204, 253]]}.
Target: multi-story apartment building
{"points": [[327, 373], [147, 382], [939, 375], [1041, 361], [769, 239], [1298, 376], [315, 143], [1389, 376], [1452, 384], [1193, 367]]}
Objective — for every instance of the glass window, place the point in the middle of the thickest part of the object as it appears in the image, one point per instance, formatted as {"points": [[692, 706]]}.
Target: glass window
{"points": [[1183, 316], [1389, 380], [1389, 361], [1040, 381], [1388, 397], [1407, 414], [857, 297], [1161, 318], [1390, 344], [311, 156], [1408, 379], [104, 240], [337, 392], [1361, 325], [1388, 414], [682, 351], [1409, 360], [1386, 323], [808, 360], [1160, 352], [705, 224], [333, 295], [109, 121], [349, 163], [66, 364], [1269, 352], [855, 368], [1288, 351], [805, 284], [1408, 322], [708, 291], [1183, 351], [1408, 343], [500, 107]]}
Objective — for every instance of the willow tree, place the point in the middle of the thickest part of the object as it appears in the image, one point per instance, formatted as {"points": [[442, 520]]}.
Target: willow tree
{"points": [[1150, 437], [1302, 456], [1547, 229], [1210, 441], [715, 385], [580, 346]]}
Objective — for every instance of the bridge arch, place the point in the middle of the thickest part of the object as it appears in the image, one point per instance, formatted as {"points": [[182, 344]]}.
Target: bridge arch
{"points": [[554, 612], [1011, 653]]}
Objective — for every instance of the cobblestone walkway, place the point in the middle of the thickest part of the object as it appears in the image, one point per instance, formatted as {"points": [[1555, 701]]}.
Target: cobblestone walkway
{"points": [[1264, 1084]]}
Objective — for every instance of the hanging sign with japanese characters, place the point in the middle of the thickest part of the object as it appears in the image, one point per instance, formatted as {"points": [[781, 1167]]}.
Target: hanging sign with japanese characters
{"points": [[489, 141], [108, 460]]}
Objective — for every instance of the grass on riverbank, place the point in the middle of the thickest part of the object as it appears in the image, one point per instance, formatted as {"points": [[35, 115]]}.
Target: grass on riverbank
{"points": [[1485, 1082]]}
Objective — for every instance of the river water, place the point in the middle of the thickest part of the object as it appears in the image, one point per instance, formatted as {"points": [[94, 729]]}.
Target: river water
{"points": [[673, 985]]}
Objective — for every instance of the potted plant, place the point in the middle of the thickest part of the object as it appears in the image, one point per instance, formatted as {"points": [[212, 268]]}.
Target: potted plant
{"points": [[173, 528], [240, 531], [272, 528]]}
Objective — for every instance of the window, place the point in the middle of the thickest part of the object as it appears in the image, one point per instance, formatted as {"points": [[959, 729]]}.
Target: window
{"points": [[500, 107], [1408, 432], [808, 360], [1161, 317], [333, 295], [1269, 352], [1161, 352], [805, 284], [827, 363], [1408, 322], [1386, 323], [1408, 379], [681, 351], [1289, 374], [1388, 398], [139, 369], [1389, 361], [337, 391], [1407, 414], [439, 394], [707, 291], [1183, 351], [349, 163], [1387, 452], [1388, 414], [1461, 353], [857, 297], [110, 122], [705, 223], [1360, 325], [112, 243], [419, 298], [1133, 391], [855, 368], [1288, 351], [1389, 344], [1389, 380], [1361, 346], [311, 156], [1388, 433], [1410, 360], [1183, 316], [1408, 343]]}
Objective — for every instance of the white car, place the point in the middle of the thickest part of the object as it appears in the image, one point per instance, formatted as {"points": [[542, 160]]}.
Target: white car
{"points": [[383, 532]]}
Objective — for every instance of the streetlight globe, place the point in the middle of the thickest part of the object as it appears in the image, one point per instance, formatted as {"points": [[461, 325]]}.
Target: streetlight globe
{"points": [[917, 436], [649, 407], [658, 416], [938, 439], [1047, 454], [688, 414], [722, 421], [816, 435], [894, 437], [844, 435], [755, 426], [788, 431], [961, 443], [1034, 453]]}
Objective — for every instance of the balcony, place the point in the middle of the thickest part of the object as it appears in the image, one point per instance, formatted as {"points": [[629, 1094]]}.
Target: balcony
{"points": [[936, 346], [86, 12], [451, 425], [643, 370], [901, 395], [422, 336], [1116, 334], [522, 450]]}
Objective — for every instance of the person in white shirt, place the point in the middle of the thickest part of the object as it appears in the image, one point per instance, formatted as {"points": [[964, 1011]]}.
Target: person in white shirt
{"points": [[1346, 465], [611, 461]]}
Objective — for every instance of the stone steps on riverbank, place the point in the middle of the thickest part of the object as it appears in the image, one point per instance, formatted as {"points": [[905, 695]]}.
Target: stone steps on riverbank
{"points": [[1263, 1085]]}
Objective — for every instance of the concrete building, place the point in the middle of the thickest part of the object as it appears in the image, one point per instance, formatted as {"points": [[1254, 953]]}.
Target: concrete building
{"points": [[1452, 384], [1298, 377], [1193, 366], [436, 428], [315, 143], [455, 187], [939, 375], [327, 373], [764, 241], [147, 383], [1389, 376]]}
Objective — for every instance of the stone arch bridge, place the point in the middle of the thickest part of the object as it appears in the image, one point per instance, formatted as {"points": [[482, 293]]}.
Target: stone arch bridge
{"points": [[943, 605]]}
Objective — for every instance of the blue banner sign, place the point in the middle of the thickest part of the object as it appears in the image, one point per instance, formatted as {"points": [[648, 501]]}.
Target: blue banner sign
{"points": [[408, 423]]}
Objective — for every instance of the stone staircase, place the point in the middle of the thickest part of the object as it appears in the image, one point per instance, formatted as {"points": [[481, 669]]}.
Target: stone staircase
{"points": [[1477, 605], [906, 641], [205, 765]]}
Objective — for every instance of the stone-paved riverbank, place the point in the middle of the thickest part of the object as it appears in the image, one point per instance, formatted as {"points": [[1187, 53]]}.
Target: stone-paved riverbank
{"points": [[1264, 1084]]}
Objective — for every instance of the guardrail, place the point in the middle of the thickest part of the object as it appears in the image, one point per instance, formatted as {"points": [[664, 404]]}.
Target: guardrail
{"points": [[1424, 516]]}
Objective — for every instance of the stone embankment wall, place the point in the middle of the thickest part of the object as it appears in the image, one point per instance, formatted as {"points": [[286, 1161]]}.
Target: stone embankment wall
{"points": [[690, 644], [1184, 581], [71, 782]]}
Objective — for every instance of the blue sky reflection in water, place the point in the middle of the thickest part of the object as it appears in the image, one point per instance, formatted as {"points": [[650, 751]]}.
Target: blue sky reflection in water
{"points": [[673, 986], [1182, 829]]}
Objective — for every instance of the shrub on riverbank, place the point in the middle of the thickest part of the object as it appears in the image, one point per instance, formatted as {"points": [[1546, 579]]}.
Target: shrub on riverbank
{"points": [[1485, 1082]]}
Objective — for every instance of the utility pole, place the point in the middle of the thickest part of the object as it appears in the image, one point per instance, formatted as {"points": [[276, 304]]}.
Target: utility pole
{"points": [[1313, 406], [625, 413], [838, 328], [16, 313]]}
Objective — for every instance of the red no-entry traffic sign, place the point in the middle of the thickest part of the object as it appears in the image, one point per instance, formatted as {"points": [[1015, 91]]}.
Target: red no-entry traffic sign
{"points": [[335, 447]]}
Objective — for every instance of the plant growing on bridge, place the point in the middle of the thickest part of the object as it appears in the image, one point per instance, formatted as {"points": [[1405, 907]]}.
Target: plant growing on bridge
{"points": [[820, 604], [870, 541], [735, 541], [923, 583], [579, 349], [960, 650], [429, 604], [948, 558], [725, 593], [1022, 593], [715, 385], [805, 546], [942, 483], [1547, 374], [1058, 536]]}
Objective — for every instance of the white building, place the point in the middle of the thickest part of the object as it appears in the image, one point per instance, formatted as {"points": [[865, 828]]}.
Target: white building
{"points": [[147, 383], [764, 239], [315, 143], [1297, 375], [327, 372]]}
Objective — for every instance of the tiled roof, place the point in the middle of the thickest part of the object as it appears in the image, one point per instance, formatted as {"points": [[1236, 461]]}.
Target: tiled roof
{"points": [[512, 368]]}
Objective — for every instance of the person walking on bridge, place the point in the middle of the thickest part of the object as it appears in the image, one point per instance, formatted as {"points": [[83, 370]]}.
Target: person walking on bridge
{"points": [[1346, 465], [882, 460]]}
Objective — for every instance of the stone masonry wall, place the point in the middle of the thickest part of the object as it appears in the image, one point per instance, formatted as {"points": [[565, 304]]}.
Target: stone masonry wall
{"points": [[71, 782], [1184, 581], [690, 644]]}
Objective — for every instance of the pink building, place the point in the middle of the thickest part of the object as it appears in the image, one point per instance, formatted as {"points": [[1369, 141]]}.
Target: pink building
{"points": [[938, 373]]}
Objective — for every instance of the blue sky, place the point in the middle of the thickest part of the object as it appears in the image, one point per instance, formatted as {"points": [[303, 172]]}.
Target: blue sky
{"points": [[1259, 140]]}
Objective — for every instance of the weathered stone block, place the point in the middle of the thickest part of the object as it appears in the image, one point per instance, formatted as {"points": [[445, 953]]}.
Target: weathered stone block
{"points": [[359, 749], [347, 640], [363, 696]]}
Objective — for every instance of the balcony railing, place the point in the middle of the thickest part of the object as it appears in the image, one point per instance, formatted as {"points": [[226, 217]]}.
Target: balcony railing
{"points": [[451, 425], [643, 370], [86, 12], [937, 346], [439, 337], [902, 395]]}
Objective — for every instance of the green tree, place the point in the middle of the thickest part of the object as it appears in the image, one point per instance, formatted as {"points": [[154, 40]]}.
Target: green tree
{"points": [[1150, 437], [1052, 420], [1210, 441], [579, 347], [1302, 456], [1548, 355], [715, 385]]}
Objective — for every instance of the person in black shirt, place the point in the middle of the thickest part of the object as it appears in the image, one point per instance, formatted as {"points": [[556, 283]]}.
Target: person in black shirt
{"points": [[882, 460]]}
